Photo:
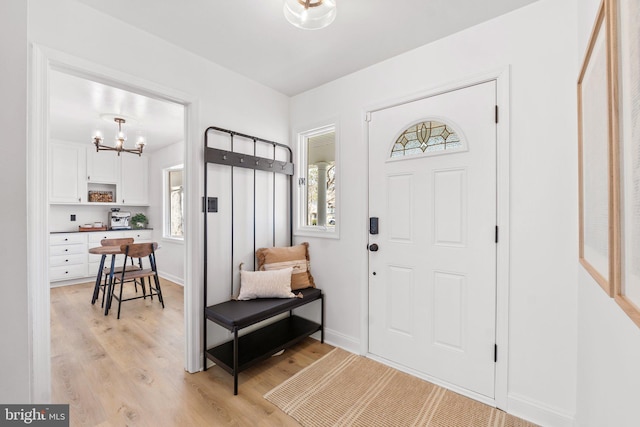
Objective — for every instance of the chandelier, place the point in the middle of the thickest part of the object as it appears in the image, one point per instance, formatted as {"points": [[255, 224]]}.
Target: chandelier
{"points": [[119, 141], [310, 14]]}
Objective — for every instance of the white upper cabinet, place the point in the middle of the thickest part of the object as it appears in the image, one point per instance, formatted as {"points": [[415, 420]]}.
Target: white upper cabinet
{"points": [[76, 170], [103, 167], [134, 188], [67, 169]]}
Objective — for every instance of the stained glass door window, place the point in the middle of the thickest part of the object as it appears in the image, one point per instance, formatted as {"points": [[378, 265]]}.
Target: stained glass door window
{"points": [[427, 137]]}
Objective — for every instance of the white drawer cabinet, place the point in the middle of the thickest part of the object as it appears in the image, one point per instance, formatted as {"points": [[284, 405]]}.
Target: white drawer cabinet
{"points": [[58, 260], [68, 249], [67, 238], [95, 237], [139, 236], [67, 256], [66, 272]]}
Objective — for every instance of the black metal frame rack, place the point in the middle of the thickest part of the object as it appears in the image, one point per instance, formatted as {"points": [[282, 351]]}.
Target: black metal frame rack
{"points": [[243, 351]]}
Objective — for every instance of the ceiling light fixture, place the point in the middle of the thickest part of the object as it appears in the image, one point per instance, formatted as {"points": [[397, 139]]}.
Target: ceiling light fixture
{"points": [[119, 141], [310, 14]]}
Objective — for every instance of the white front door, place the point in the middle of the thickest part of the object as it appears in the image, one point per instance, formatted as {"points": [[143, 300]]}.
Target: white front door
{"points": [[432, 271]]}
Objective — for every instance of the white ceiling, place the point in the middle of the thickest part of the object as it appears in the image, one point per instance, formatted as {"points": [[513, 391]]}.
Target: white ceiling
{"points": [[253, 38], [76, 106]]}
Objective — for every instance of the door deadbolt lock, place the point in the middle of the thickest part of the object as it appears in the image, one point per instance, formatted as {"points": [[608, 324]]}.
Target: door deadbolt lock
{"points": [[373, 247]]}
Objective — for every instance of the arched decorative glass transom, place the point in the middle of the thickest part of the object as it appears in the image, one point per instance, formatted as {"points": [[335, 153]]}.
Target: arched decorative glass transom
{"points": [[426, 137]]}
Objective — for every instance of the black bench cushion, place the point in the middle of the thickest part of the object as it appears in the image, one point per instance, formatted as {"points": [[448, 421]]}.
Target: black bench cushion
{"points": [[239, 314]]}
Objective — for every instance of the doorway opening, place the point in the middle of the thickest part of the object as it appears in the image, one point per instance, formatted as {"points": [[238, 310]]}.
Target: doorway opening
{"points": [[47, 64]]}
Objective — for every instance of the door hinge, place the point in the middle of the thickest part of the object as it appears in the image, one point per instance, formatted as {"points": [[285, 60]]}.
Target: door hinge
{"points": [[496, 234], [301, 181], [496, 114], [367, 116], [495, 353]]}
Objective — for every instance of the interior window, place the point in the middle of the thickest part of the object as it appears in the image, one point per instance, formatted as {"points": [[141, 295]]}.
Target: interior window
{"points": [[317, 181], [174, 203], [427, 137]]}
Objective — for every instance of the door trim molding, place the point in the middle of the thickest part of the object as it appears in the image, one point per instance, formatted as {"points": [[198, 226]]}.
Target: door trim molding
{"points": [[502, 77], [42, 61]]}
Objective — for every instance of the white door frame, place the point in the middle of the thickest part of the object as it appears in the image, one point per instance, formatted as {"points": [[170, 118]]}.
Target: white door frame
{"points": [[42, 61], [502, 78]]}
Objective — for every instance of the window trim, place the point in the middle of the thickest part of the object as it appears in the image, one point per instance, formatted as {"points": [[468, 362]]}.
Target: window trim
{"points": [[301, 136], [166, 216]]}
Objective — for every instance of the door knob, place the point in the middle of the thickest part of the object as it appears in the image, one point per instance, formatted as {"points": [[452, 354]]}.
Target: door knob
{"points": [[373, 247]]}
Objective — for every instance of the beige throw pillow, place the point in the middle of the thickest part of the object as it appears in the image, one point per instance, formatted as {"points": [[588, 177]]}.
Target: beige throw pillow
{"points": [[296, 257], [265, 284]]}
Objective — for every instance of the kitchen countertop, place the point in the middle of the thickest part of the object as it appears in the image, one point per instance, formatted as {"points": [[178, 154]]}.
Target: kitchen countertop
{"points": [[95, 231]]}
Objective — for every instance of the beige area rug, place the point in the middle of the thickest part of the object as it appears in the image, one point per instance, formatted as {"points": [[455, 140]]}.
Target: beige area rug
{"points": [[343, 389]]}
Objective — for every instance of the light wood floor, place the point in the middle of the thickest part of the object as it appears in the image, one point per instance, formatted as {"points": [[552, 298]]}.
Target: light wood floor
{"points": [[130, 371]]}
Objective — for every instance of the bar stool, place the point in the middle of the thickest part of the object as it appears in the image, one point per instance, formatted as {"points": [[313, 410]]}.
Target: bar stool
{"points": [[117, 270], [139, 251]]}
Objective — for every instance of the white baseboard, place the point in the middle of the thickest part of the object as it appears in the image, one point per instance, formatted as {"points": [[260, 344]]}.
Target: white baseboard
{"points": [[170, 277], [538, 412], [340, 340], [90, 279], [73, 282]]}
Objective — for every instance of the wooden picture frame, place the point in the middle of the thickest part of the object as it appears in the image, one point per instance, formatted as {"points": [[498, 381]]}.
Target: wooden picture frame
{"points": [[597, 159], [625, 69]]}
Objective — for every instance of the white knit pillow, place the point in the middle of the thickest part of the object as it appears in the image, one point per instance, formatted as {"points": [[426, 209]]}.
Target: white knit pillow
{"points": [[265, 284]]}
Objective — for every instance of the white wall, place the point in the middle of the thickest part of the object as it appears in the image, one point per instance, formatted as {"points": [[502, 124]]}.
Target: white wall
{"points": [[60, 215], [608, 341], [171, 256], [14, 356], [538, 42]]}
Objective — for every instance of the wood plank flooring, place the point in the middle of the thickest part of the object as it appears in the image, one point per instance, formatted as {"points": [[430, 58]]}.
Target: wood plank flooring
{"points": [[130, 371]]}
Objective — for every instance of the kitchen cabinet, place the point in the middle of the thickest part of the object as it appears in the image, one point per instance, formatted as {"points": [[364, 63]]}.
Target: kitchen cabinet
{"points": [[76, 169], [103, 168], [67, 256], [67, 169], [134, 186]]}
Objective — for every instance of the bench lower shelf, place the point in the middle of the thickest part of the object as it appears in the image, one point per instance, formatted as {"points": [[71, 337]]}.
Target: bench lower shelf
{"points": [[262, 343]]}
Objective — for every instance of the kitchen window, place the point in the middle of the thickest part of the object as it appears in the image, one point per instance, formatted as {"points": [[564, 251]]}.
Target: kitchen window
{"points": [[173, 203]]}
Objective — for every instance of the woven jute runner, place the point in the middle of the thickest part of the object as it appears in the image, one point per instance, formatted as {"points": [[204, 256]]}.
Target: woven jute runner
{"points": [[343, 389]]}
